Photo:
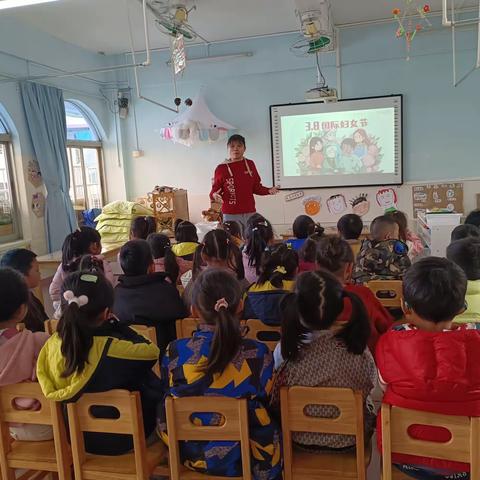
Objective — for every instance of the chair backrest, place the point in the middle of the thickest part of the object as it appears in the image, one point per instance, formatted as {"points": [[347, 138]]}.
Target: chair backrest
{"points": [[463, 446], [51, 326], [150, 333], [388, 292], [355, 245], [350, 421], [186, 327], [257, 330], [129, 422], [180, 426], [47, 413]]}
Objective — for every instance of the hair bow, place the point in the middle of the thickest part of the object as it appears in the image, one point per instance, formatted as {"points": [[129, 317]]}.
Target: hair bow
{"points": [[70, 297]]}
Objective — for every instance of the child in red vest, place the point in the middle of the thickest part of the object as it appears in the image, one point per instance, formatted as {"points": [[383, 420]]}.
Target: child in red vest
{"points": [[428, 364]]}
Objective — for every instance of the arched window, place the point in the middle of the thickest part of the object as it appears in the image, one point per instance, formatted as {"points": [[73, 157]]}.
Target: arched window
{"points": [[9, 226], [85, 160]]}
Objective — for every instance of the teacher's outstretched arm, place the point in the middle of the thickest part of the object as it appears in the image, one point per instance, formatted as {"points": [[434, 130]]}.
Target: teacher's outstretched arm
{"points": [[258, 188]]}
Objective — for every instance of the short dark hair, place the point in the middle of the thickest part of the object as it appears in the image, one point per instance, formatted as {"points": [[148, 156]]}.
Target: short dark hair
{"points": [[473, 218], [185, 231], [19, 259], [304, 226], [13, 293], [380, 225], [142, 227], [464, 231], [350, 226], [466, 254], [135, 257], [236, 138], [435, 289]]}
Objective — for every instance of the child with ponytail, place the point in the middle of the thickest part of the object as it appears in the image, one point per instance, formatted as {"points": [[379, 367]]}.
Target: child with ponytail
{"points": [[218, 361], [335, 255], [216, 251], [259, 237], [83, 241], [186, 239], [277, 276], [319, 353], [303, 227], [142, 227], [92, 352], [164, 259]]}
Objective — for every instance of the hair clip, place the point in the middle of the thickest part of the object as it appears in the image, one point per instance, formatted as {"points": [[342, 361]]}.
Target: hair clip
{"points": [[221, 303], [89, 278], [280, 269], [70, 297], [254, 229]]}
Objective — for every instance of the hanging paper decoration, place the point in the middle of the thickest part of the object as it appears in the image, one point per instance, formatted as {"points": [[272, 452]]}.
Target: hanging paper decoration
{"points": [[407, 29], [387, 199], [179, 58], [336, 204], [360, 204], [34, 174], [38, 204], [196, 124], [312, 205]]}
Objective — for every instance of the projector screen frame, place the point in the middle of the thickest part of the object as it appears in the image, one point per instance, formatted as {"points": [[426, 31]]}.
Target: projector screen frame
{"points": [[401, 182]]}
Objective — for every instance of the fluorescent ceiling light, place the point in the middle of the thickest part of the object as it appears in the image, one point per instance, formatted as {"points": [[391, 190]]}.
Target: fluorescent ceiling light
{"points": [[4, 4]]}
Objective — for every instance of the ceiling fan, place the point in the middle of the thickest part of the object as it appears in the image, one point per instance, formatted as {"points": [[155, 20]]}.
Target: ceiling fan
{"points": [[171, 18]]}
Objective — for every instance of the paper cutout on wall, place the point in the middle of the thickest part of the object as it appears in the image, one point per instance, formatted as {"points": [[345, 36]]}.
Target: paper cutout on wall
{"points": [[196, 124], [294, 196], [34, 174], [336, 204], [312, 205], [360, 204], [38, 204], [387, 199]]}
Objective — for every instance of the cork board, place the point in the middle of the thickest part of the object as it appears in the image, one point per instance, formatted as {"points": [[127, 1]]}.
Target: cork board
{"points": [[437, 195]]}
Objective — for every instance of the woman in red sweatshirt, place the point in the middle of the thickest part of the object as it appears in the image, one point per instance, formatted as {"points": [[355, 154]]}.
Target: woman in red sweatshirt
{"points": [[235, 183]]}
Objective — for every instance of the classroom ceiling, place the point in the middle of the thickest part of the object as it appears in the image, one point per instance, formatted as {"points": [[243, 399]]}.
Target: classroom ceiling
{"points": [[101, 25]]}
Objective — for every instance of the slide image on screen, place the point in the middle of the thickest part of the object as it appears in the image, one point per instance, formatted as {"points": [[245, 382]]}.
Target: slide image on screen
{"points": [[350, 142], [339, 143]]}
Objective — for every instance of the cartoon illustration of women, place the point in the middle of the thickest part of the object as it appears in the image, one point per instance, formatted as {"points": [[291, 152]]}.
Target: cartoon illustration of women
{"points": [[370, 159], [316, 157], [349, 163], [362, 142], [332, 153]]}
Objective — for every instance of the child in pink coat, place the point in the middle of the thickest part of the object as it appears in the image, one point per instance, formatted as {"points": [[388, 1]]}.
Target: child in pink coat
{"points": [[19, 350], [84, 241]]}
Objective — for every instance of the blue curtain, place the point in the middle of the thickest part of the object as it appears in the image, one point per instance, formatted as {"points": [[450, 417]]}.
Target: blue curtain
{"points": [[45, 113]]}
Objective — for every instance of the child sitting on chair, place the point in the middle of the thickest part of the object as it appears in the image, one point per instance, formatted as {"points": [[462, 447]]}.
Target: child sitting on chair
{"points": [[430, 365], [466, 254], [186, 238], [144, 296], [303, 227], [25, 262], [278, 272], [92, 352], [219, 361], [319, 353], [384, 257], [19, 350]]}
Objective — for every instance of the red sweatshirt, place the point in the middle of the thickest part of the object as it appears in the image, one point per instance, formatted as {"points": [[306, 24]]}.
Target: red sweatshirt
{"points": [[237, 186], [380, 318]]}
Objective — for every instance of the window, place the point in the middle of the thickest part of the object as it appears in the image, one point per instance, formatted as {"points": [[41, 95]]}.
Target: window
{"points": [[8, 221], [85, 164]]}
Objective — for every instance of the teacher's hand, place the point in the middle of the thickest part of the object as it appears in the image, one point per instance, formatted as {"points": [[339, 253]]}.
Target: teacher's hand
{"points": [[217, 197], [273, 191]]}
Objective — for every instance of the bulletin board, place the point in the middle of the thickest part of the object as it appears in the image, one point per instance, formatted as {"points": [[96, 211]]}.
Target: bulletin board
{"points": [[437, 195]]}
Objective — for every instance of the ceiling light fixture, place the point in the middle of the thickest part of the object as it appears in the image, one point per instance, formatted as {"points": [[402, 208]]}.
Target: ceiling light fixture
{"points": [[4, 4]]}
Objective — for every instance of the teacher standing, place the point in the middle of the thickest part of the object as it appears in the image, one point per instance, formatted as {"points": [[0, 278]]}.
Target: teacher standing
{"points": [[235, 182]]}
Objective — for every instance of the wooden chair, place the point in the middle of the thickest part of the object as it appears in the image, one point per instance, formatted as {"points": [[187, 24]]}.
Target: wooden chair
{"points": [[388, 292], [150, 333], [186, 327], [316, 466], [464, 446], [139, 464], [51, 326], [257, 330], [355, 245], [47, 456], [181, 428]]}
